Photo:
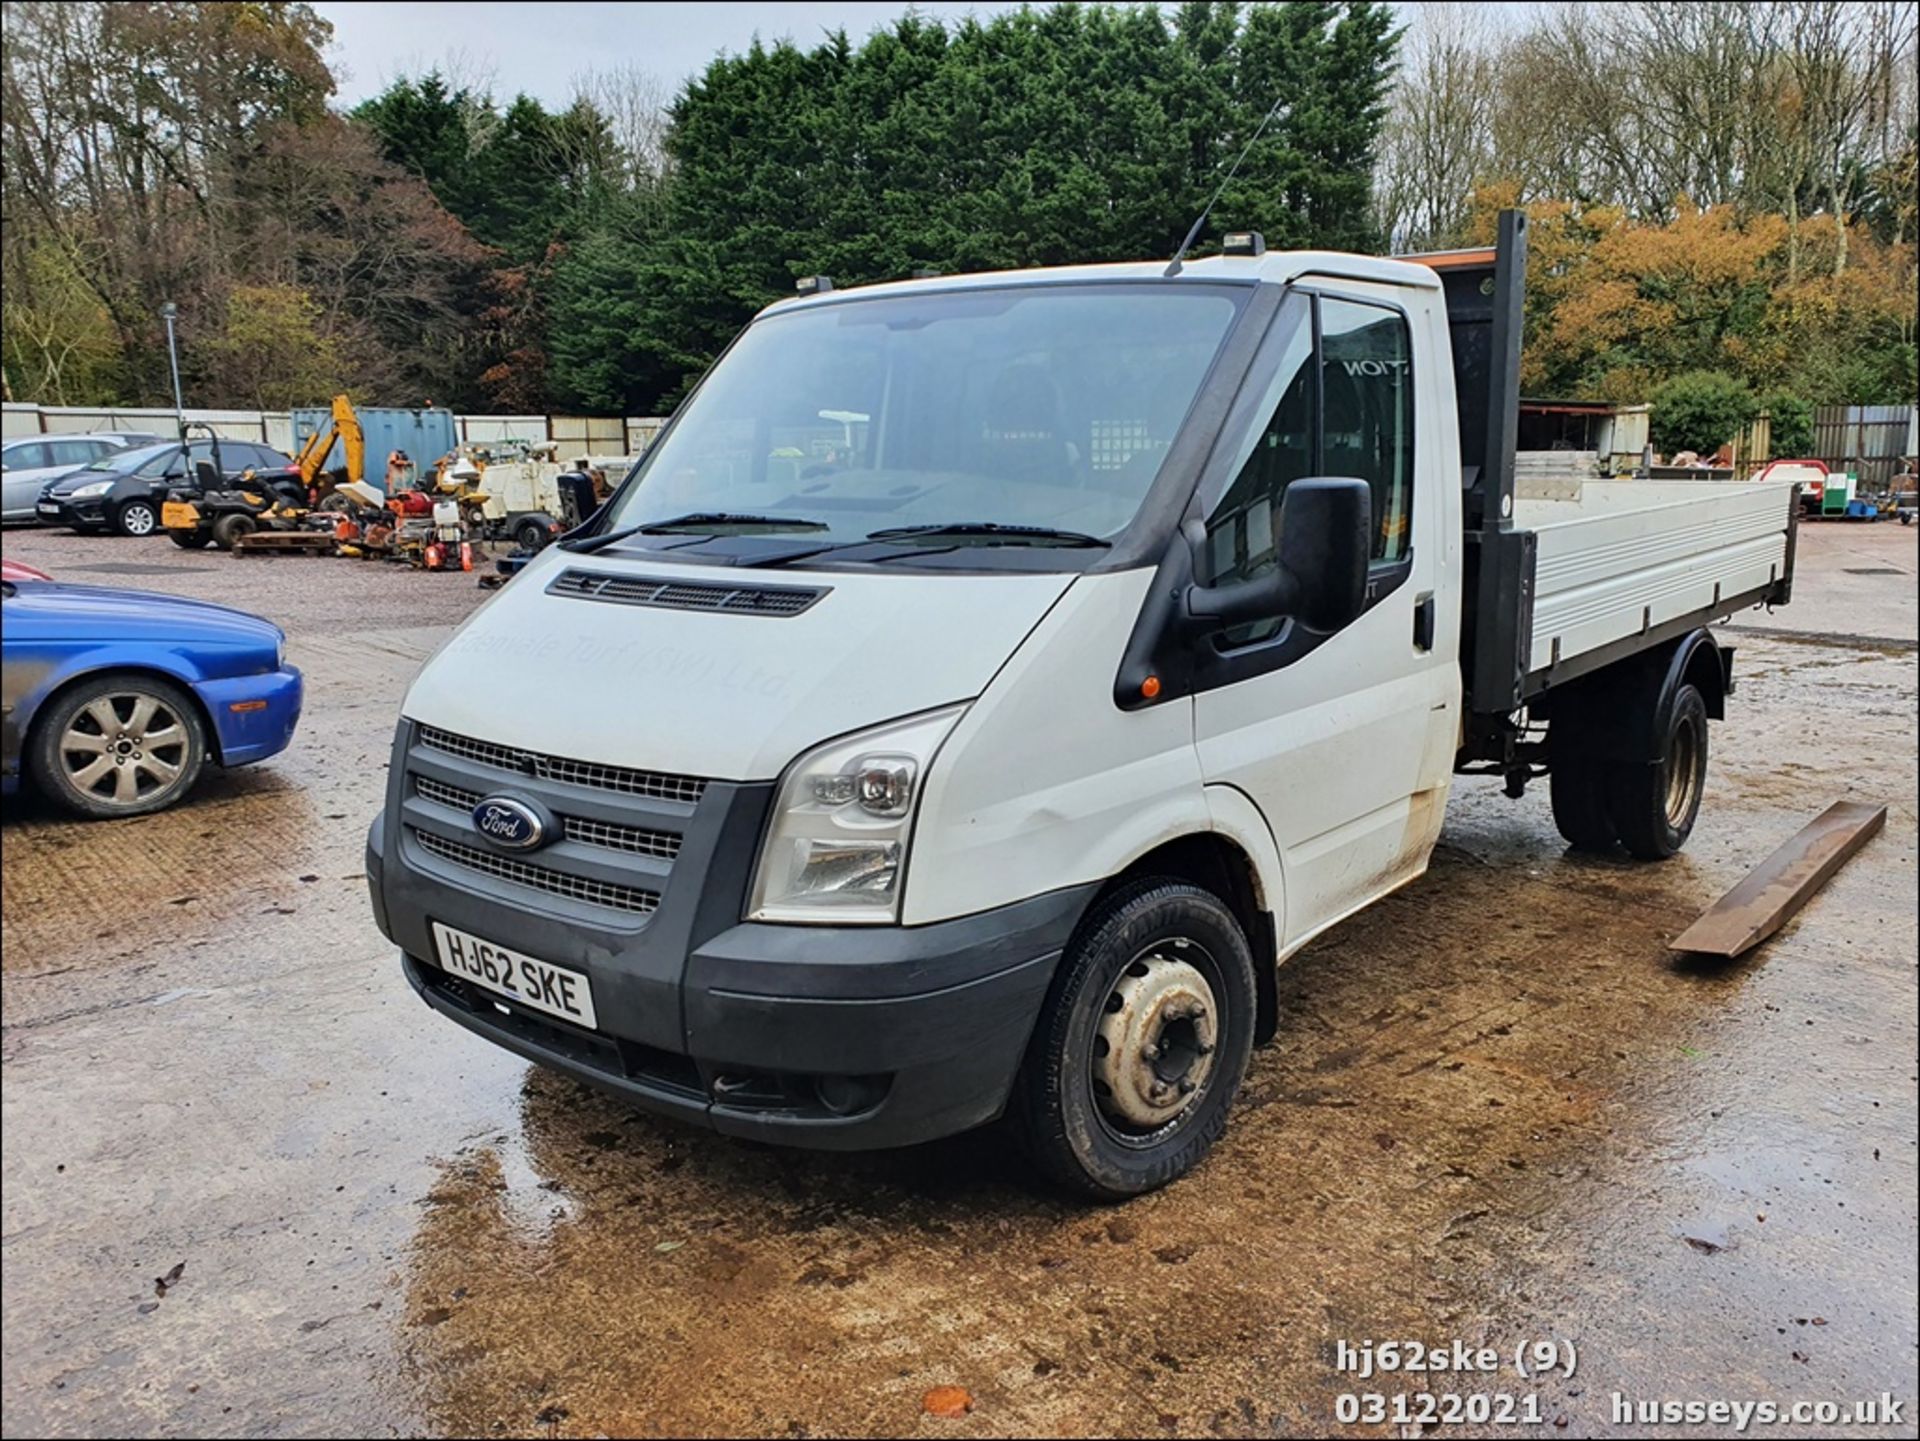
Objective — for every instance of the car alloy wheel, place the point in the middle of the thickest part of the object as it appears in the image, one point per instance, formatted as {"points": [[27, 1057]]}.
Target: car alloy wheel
{"points": [[119, 745]]}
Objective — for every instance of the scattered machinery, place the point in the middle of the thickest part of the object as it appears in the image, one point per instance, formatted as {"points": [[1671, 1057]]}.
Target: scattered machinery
{"points": [[274, 502]]}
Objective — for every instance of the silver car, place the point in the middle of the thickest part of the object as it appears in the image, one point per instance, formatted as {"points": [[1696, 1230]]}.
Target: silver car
{"points": [[28, 462]]}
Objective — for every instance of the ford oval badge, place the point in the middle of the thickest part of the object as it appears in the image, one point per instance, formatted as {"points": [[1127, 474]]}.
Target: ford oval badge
{"points": [[510, 823]]}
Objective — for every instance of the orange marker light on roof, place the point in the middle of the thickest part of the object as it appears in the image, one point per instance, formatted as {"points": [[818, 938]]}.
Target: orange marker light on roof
{"points": [[1150, 687]]}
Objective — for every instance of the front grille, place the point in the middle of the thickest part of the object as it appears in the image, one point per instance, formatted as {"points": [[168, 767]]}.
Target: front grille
{"points": [[770, 600], [631, 839], [575, 888], [655, 785]]}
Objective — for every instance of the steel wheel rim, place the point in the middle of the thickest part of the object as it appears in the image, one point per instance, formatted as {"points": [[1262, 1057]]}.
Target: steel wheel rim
{"points": [[1683, 772], [138, 519], [1155, 1042], [124, 748]]}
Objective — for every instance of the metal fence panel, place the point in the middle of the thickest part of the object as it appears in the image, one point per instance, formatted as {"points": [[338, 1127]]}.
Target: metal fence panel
{"points": [[1869, 440]]}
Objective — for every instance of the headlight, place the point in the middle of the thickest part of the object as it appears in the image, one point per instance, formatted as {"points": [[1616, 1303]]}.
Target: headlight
{"points": [[88, 492], [836, 848]]}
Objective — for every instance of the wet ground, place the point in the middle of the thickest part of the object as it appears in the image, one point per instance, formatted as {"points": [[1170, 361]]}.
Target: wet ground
{"points": [[1498, 1111]]}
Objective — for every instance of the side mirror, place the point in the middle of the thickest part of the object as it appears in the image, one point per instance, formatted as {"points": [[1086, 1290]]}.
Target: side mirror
{"points": [[1325, 537]]}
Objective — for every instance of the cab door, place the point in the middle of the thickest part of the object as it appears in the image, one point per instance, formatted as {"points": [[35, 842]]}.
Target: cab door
{"points": [[1344, 741]]}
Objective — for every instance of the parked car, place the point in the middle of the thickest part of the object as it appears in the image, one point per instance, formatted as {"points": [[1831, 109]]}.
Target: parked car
{"points": [[122, 492], [1812, 475], [114, 700], [28, 462]]}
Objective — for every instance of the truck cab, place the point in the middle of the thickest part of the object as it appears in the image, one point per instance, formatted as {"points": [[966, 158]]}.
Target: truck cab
{"points": [[984, 683]]}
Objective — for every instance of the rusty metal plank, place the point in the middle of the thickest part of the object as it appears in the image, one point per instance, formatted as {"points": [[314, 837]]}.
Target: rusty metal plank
{"points": [[1776, 888]]}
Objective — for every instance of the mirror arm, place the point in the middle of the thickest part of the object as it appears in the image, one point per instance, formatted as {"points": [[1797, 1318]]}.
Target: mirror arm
{"points": [[1205, 609]]}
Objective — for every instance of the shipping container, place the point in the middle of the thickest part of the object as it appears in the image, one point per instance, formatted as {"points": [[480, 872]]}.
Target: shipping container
{"points": [[424, 435]]}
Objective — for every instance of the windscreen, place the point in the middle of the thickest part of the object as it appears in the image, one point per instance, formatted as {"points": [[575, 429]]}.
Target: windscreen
{"points": [[1028, 406], [121, 462]]}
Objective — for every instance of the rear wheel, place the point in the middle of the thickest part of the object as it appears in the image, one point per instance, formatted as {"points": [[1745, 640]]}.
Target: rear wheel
{"points": [[530, 535], [191, 539], [1137, 1057], [136, 517], [119, 745], [229, 528], [1653, 806]]}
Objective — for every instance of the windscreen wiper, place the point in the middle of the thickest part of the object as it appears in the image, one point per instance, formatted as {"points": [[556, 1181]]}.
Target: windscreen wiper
{"points": [[992, 530], [693, 520]]}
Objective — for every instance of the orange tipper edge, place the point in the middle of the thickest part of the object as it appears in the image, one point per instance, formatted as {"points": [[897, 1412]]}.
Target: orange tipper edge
{"points": [[1452, 259]]}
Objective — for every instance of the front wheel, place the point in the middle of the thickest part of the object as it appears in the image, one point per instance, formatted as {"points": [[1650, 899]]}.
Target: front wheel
{"points": [[136, 517], [119, 745], [191, 539], [1137, 1057]]}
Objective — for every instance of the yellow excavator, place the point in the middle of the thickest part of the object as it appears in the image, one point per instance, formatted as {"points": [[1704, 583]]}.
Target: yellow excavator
{"points": [[276, 500]]}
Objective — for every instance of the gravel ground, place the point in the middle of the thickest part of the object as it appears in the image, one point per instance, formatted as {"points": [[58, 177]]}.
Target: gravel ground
{"points": [[1497, 1111]]}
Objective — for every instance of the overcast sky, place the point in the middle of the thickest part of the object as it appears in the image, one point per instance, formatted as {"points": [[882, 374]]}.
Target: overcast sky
{"points": [[540, 48]]}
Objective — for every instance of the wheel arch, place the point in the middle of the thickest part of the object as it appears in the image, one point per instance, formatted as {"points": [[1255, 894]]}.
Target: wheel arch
{"points": [[1219, 865], [30, 732]]}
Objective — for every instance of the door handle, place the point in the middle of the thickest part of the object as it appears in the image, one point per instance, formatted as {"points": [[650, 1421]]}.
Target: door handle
{"points": [[1423, 618]]}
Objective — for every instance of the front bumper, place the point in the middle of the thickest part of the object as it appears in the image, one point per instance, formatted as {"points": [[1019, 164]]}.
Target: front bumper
{"points": [[80, 514], [253, 716], [842, 1038]]}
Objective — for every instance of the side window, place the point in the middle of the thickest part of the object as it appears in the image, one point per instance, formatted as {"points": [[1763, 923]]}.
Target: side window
{"points": [[1241, 531], [32, 456], [73, 452], [1367, 372]]}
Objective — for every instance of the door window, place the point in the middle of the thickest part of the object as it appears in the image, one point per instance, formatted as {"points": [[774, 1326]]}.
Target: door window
{"points": [[32, 456], [1242, 531], [1367, 370], [75, 452], [1340, 404]]}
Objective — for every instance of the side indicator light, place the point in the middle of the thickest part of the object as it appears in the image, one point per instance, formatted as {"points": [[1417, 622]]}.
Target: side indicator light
{"points": [[247, 705], [1150, 687]]}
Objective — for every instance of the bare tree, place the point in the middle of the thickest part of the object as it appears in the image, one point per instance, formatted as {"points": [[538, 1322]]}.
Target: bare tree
{"points": [[634, 103], [1437, 141]]}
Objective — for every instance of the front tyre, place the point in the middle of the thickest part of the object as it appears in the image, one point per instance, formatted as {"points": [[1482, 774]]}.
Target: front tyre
{"points": [[118, 745], [1142, 1045], [191, 539]]}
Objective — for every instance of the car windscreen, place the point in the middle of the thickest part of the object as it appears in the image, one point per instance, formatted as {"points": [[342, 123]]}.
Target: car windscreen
{"points": [[1026, 406], [125, 462]]}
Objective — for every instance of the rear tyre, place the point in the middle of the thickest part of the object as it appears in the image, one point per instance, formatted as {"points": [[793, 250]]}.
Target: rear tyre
{"points": [[229, 528], [118, 745], [1579, 790], [191, 539], [1653, 807], [530, 535], [1142, 1045], [137, 518]]}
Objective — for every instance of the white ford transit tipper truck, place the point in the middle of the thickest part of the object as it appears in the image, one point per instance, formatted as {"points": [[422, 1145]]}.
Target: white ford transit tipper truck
{"points": [[985, 682]]}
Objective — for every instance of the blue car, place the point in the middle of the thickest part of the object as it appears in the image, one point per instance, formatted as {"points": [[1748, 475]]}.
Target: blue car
{"points": [[111, 701]]}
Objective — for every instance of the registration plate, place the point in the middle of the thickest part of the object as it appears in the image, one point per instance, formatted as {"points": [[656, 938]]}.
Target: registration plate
{"points": [[47, 507], [534, 983]]}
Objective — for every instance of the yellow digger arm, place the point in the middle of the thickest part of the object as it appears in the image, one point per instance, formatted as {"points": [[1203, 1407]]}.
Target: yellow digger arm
{"points": [[344, 427], [352, 440]]}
